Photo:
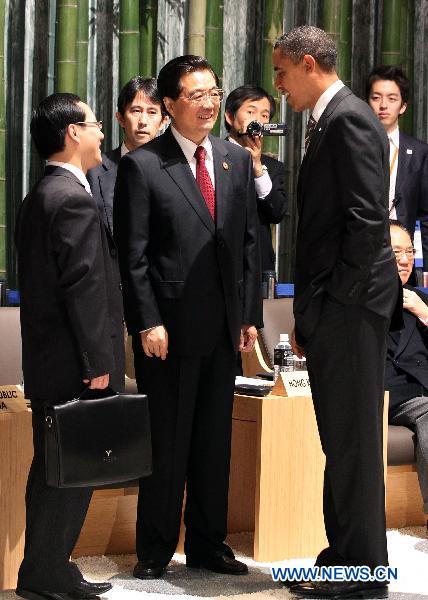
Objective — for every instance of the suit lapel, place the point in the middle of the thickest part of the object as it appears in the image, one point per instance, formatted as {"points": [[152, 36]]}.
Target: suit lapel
{"points": [[178, 169], [222, 169], [405, 154], [406, 333], [316, 139]]}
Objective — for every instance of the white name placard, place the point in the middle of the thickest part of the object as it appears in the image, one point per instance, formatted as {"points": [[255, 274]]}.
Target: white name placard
{"points": [[296, 383], [12, 398]]}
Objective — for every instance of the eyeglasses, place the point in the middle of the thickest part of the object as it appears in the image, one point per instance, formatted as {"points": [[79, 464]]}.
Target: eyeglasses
{"points": [[216, 96], [409, 252], [98, 124]]}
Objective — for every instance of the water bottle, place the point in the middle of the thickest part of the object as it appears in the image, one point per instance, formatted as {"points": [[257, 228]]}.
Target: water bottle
{"points": [[282, 356], [299, 363]]}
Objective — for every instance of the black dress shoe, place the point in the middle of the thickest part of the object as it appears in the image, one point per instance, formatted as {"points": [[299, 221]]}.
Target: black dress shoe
{"points": [[340, 589], [31, 595], [219, 562], [88, 589], [148, 569]]}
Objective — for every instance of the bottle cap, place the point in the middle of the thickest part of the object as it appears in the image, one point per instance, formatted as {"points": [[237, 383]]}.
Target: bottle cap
{"points": [[283, 337]]}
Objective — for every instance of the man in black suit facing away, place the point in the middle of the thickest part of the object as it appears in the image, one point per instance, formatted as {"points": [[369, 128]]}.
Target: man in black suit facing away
{"points": [[388, 95], [346, 288], [407, 359], [186, 224], [71, 324], [251, 103], [141, 115]]}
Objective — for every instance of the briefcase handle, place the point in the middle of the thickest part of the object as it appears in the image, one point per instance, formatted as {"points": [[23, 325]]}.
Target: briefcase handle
{"points": [[89, 394]]}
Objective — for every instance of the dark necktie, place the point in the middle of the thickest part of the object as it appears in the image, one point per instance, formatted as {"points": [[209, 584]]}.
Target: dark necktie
{"points": [[309, 130], [203, 180]]}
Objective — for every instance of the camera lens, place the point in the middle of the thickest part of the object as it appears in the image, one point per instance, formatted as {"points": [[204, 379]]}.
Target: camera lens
{"points": [[254, 128]]}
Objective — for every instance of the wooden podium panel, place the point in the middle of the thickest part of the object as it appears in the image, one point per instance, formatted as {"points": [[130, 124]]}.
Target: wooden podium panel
{"points": [[16, 453], [276, 477]]}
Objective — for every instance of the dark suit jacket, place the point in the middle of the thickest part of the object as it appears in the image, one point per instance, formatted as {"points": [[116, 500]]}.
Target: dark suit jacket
{"points": [[411, 188], [71, 308], [406, 373], [178, 268], [343, 242], [102, 180]]}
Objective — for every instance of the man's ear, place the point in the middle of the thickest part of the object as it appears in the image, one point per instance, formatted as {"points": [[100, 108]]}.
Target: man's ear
{"points": [[72, 131], [403, 108], [228, 117], [119, 119], [309, 63], [169, 105]]}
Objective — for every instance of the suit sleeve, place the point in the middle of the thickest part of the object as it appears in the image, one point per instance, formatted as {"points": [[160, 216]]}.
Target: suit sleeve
{"points": [[359, 159], [253, 306], [76, 239], [423, 209], [131, 218], [272, 208]]}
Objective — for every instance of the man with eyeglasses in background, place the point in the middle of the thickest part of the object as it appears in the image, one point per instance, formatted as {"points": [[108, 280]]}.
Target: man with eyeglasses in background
{"points": [[406, 376], [185, 220], [140, 114], [387, 92]]}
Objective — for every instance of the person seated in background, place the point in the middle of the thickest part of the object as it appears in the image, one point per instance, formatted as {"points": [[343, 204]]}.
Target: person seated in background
{"points": [[407, 359], [141, 115], [245, 104]]}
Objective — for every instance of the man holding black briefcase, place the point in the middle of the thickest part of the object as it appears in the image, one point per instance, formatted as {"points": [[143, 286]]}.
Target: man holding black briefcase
{"points": [[72, 330]]}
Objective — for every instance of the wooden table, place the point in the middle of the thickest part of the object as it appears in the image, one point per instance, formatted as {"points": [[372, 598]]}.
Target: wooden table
{"points": [[276, 477]]}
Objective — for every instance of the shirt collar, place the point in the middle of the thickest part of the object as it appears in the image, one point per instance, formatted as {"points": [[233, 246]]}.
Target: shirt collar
{"points": [[188, 147], [325, 98], [394, 137], [123, 149], [73, 169]]}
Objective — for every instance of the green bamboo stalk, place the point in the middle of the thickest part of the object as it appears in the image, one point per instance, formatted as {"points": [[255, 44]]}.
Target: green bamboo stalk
{"points": [[2, 148], [406, 57], [214, 43], [390, 46], [66, 66], [82, 49], [129, 40], [272, 29], [196, 27], [337, 22], [148, 37]]}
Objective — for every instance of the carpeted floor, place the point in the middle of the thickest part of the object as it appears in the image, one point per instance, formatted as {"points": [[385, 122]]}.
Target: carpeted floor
{"points": [[408, 552]]}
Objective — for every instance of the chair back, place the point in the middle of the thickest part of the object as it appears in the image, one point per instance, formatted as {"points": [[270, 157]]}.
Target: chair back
{"points": [[10, 346]]}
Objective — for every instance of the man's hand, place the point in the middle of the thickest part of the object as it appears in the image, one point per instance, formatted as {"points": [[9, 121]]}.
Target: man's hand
{"points": [[414, 304], [155, 342], [254, 147], [248, 338], [297, 350], [98, 383]]}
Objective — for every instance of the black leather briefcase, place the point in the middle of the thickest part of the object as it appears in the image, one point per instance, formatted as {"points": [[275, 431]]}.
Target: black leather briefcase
{"points": [[97, 440]]}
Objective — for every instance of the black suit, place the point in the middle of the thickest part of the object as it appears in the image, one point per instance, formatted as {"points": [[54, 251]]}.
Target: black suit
{"points": [[346, 287], [71, 323], [406, 379], [102, 180], [201, 280], [411, 188]]}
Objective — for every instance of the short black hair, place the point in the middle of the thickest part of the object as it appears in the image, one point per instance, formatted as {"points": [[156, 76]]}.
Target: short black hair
{"points": [[139, 84], [169, 77], [307, 39], [50, 120], [389, 73], [395, 223], [238, 96]]}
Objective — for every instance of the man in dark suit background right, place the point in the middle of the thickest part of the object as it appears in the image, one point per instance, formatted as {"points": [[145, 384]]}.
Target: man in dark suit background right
{"points": [[346, 286], [387, 93]]}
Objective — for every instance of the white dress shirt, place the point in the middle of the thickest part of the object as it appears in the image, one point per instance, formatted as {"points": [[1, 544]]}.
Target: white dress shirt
{"points": [[188, 147], [325, 98], [263, 183], [75, 170], [394, 145], [123, 150]]}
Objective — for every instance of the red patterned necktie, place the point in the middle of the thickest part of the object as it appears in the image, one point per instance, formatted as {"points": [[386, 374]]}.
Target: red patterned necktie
{"points": [[203, 180]]}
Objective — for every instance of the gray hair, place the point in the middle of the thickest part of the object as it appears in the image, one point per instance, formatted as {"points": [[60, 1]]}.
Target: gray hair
{"points": [[307, 39]]}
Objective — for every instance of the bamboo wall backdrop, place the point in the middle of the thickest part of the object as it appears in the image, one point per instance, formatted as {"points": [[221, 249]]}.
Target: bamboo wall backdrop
{"points": [[93, 47]]}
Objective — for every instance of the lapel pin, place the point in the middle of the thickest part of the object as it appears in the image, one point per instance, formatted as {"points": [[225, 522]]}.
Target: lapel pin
{"points": [[409, 151], [225, 166]]}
